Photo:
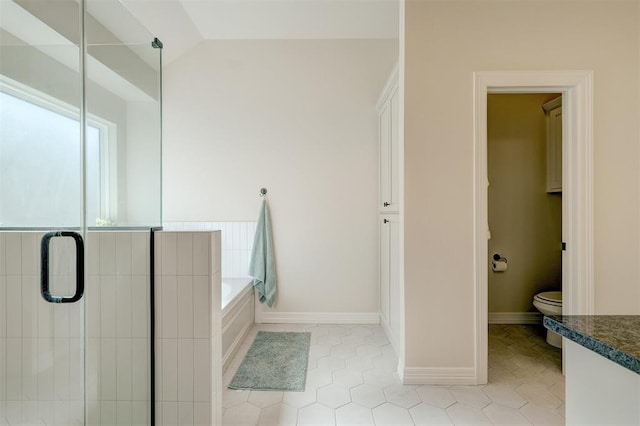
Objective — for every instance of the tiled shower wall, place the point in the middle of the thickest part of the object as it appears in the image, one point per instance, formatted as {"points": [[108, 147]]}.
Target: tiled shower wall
{"points": [[236, 244], [188, 329], [41, 344], [40, 349], [118, 345]]}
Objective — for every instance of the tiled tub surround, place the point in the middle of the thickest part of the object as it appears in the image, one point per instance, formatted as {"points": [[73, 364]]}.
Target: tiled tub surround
{"points": [[41, 345], [602, 371], [238, 311], [188, 328], [236, 243]]}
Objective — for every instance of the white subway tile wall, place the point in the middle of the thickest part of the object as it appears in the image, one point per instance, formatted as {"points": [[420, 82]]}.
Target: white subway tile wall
{"points": [[41, 344], [118, 346], [188, 281], [237, 242]]}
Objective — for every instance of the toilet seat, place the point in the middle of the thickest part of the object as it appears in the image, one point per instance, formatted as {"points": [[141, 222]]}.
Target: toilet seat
{"points": [[550, 303], [553, 298]]}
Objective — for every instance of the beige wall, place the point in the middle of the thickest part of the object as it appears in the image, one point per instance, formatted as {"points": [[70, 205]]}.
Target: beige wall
{"points": [[299, 118], [445, 43], [525, 221]]}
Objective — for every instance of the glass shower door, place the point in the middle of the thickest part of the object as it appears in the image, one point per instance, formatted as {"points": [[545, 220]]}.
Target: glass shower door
{"points": [[41, 214], [123, 119], [80, 100]]}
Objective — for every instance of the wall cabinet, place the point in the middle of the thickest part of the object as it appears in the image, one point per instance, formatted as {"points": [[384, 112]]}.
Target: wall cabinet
{"points": [[389, 143], [553, 111]]}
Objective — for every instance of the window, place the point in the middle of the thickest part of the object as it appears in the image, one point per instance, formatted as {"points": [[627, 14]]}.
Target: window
{"points": [[40, 161]]}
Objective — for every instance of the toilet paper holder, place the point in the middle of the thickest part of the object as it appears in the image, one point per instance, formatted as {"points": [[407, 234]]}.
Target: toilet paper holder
{"points": [[497, 257], [499, 263]]}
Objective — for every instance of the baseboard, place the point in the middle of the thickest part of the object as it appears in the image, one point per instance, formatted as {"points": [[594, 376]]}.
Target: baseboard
{"points": [[515, 318], [267, 317], [438, 376]]}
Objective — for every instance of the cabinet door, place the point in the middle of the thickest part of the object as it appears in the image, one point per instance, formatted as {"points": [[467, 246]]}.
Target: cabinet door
{"points": [[390, 272], [554, 150], [384, 120], [394, 149], [394, 276], [390, 154], [385, 261]]}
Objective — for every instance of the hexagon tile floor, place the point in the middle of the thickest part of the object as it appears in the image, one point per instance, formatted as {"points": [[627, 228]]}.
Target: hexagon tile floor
{"points": [[352, 381]]}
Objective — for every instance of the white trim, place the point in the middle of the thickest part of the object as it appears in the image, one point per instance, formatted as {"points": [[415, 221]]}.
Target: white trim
{"points": [[515, 318], [267, 317], [578, 288], [438, 376], [400, 370], [389, 88], [394, 340], [400, 350]]}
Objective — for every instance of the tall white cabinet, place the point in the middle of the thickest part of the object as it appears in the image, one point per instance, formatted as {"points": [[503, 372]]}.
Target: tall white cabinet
{"points": [[389, 209]]}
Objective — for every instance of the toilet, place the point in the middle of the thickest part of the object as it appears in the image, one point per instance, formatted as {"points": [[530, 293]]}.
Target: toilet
{"points": [[550, 303]]}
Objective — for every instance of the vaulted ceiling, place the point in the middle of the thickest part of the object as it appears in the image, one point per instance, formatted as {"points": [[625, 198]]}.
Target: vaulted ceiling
{"points": [[181, 24]]}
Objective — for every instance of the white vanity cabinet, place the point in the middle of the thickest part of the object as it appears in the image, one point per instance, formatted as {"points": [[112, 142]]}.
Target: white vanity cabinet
{"points": [[601, 368], [553, 111], [389, 140]]}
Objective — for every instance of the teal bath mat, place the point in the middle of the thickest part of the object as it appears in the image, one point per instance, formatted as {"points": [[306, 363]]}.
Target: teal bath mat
{"points": [[276, 361]]}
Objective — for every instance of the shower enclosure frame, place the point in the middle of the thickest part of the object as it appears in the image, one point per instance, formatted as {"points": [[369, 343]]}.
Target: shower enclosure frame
{"points": [[77, 231]]}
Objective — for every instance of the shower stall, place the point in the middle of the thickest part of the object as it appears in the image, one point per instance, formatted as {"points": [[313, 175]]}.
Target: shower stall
{"points": [[80, 199]]}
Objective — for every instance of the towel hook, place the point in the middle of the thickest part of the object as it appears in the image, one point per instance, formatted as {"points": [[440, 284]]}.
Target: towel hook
{"points": [[263, 192]]}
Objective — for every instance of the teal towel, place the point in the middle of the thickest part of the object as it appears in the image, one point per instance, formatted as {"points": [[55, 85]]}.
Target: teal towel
{"points": [[263, 265]]}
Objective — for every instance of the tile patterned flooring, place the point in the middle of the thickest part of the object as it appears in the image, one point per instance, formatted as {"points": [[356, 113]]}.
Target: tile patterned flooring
{"points": [[352, 380]]}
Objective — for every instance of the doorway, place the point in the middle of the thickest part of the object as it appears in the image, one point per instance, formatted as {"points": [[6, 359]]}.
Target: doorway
{"points": [[577, 227], [524, 204], [524, 157]]}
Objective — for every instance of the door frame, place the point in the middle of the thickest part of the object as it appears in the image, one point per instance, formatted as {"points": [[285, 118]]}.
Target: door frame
{"points": [[576, 88]]}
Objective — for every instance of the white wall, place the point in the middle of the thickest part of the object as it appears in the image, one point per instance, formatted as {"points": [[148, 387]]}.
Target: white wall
{"points": [[525, 221], [299, 118], [445, 43]]}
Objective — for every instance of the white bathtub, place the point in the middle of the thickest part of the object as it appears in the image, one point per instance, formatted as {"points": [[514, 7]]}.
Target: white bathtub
{"points": [[237, 315]]}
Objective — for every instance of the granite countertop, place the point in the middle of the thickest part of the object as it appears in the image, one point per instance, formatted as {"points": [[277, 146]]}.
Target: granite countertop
{"points": [[615, 337]]}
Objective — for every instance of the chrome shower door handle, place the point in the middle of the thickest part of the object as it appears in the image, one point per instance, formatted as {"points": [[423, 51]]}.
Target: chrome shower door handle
{"points": [[44, 267]]}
